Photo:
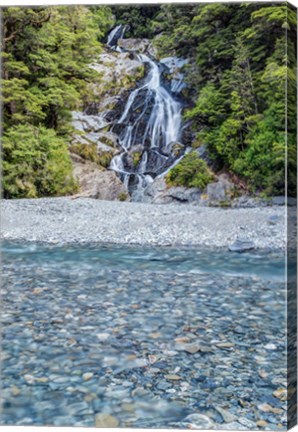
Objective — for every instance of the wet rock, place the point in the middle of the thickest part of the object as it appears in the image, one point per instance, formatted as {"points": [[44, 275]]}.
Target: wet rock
{"points": [[249, 424], [103, 336], [29, 378], [270, 346], [87, 376], [198, 421], [173, 377], [103, 420], [241, 245], [15, 391], [265, 408], [193, 348], [174, 72], [226, 415], [154, 189], [224, 345], [163, 385], [234, 426], [262, 423], [137, 45], [281, 394]]}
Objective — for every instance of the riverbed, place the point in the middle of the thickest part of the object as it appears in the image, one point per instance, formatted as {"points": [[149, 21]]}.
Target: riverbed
{"points": [[142, 336]]}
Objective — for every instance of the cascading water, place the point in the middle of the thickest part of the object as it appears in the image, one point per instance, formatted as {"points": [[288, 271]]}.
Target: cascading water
{"points": [[148, 128], [115, 34]]}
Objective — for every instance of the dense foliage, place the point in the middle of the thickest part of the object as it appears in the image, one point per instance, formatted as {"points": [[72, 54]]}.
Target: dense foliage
{"points": [[36, 163], [46, 52], [242, 57], [237, 79], [191, 171], [137, 18]]}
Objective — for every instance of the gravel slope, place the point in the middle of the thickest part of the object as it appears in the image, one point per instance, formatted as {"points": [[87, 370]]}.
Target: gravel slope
{"points": [[86, 220]]}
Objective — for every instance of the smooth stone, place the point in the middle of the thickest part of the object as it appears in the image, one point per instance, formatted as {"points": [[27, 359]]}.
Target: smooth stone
{"points": [[262, 423], [103, 420], [273, 219], [247, 423], [226, 415], [103, 336], [173, 377], [190, 348], [87, 376], [163, 385], [241, 245], [198, 421], [280, 394], [234, 426]]}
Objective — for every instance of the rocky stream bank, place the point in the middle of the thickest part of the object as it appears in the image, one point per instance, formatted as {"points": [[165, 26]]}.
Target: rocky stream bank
{"points": [[85, 220]]}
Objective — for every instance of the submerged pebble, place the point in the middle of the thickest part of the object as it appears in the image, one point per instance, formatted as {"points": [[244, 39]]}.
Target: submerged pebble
{"points": [[145, 338]]}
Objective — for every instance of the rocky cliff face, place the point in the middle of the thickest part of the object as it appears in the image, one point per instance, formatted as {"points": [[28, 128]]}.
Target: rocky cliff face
{"points": [[129, 120], [131, 131], [118, 74]]}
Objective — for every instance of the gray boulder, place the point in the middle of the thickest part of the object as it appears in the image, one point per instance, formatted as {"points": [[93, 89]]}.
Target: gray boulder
{"points": [[220, 190], [179, 195], [97, 183], [281, 201], [137, 45], [241, 245], [158, 193]]}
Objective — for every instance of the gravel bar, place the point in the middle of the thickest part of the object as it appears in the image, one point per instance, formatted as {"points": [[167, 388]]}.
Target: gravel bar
{"points": [[85, 220]]}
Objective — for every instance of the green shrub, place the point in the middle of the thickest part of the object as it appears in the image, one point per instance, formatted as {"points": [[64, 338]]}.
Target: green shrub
{"points": [[191, 171], [36, 163], [122, 196], [85, 151], [90, 152], [104, 159], [136, 157]]}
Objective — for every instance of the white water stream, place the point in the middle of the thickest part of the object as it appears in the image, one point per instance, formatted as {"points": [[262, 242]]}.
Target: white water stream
{"points": [[150, 123]]}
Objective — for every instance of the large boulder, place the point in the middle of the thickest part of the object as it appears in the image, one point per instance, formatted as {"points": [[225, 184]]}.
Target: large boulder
{"points": [[137, 45], [179, 195], [220, 191], [97, 183], [158, 193]]}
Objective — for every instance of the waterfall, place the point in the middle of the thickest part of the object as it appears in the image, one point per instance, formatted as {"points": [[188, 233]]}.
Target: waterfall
{"points": [[150, 125], [114, 35]]}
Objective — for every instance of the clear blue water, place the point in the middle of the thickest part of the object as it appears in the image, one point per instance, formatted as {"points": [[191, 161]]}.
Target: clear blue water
{"points": [[120, 315], [262, 264]]}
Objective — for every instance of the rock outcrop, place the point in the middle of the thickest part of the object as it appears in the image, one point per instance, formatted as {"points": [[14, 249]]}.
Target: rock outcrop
{"points": [[138, 45], [216, 194], [117, 72], [220, 191], [97, 183]]}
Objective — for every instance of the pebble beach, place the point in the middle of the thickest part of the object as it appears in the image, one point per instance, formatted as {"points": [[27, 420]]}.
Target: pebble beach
{"points": [[84, 220]]}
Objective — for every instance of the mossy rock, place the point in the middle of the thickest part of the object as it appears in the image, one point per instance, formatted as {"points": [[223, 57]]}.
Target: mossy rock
{"points": [[105, 158], [85, 151], [123, 196], [136, 158], [90, 152], [177, 148]]}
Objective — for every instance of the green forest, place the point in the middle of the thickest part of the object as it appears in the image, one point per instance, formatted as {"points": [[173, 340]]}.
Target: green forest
{"points": [[242, 59]]}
